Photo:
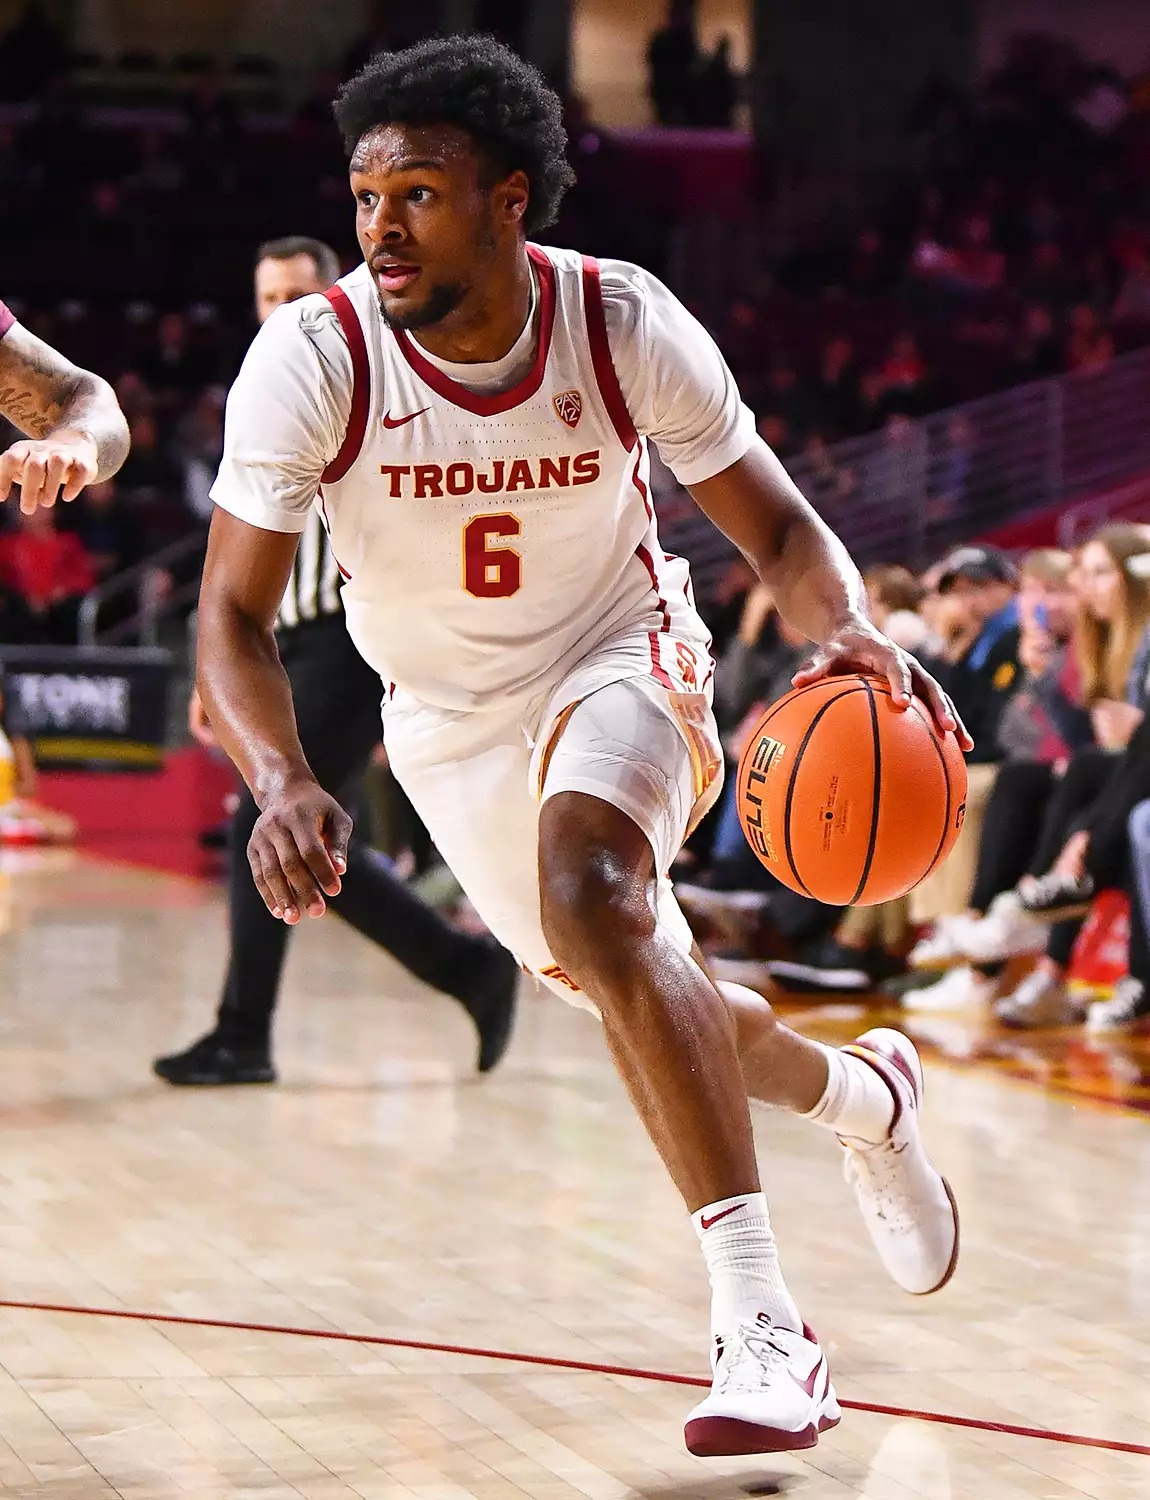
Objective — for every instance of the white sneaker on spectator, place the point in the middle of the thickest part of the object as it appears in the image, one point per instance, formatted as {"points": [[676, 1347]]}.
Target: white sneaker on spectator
{"points": [[703, 899], [1056, 897], [1005, 932], [944, 945], [1041, 1000], [1126, 1007], [954, 991], [732, 913], [752, 972]]}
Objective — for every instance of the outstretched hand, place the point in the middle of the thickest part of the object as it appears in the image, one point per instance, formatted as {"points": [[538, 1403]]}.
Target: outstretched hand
{"points": [[859, 647], [298, 850]]}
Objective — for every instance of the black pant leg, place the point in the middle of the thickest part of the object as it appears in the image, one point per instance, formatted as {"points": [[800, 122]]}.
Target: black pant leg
{"points": [[332, 694], [1108, 859], [377, 903], [1061, 940], [1073, 796], [1011, 828], [337, 702], [258, 941]]}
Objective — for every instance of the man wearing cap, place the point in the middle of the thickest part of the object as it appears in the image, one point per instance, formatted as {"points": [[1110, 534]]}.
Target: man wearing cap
{"points": [[977, 616]]}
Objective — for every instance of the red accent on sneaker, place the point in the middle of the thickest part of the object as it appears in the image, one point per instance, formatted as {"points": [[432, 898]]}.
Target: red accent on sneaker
{"points": [[880, 1061], [888, 1055], [812, 1379], [727, 1437], [734, 1208]]}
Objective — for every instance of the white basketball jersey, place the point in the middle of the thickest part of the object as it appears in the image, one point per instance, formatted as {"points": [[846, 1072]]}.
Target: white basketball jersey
{"points": [[488, 542]]}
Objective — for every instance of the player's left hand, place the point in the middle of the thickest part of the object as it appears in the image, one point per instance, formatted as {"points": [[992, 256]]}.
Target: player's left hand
{"points": [[859, 647], [48, 468]]}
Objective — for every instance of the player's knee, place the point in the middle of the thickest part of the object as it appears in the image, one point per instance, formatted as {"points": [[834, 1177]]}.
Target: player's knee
{"points": [[593, 908]]}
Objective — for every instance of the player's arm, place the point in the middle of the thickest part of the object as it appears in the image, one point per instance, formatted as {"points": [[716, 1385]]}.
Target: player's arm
{"points": [[815, 584], [286, 417], [680, 392], [75, 431], [299, 848]]}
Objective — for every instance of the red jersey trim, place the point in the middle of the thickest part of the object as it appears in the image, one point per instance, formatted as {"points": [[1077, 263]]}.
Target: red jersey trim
{"points": [[360, 386], [605, 376], [491, 406], [642, 552], [343, 573]]}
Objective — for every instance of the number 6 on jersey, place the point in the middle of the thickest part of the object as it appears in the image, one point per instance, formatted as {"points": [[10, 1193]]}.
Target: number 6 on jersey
{"points": [[491, 572]]}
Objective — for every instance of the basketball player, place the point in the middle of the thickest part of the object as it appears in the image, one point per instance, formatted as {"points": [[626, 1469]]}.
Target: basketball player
{"points": [[336, 700], [76, 432], [474, 411]]}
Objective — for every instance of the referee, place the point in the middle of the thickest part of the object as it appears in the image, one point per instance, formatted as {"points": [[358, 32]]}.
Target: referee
{"points": [[337, 703]]}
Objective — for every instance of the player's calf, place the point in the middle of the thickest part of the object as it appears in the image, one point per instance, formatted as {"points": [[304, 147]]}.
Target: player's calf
{"points": [[673, 1040]]}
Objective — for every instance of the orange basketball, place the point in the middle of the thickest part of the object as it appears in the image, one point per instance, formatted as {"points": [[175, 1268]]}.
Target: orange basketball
{"points": [[847, 799]]}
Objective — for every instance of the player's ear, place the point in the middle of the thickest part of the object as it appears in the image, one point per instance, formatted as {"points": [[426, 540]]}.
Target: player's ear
{"points": [[513, 196]]}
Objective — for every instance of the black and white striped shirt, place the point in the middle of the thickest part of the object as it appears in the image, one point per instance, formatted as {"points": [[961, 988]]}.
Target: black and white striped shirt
{"points": [[313, 588]]}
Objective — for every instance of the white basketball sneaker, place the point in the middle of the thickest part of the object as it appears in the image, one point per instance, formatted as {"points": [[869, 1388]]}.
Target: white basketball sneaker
{"points": [[771, 1393], [908, 1207]]}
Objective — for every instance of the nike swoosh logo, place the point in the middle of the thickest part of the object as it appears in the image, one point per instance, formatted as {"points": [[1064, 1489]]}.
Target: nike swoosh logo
{"points": [[389, 421], [812, 1379], [706, 1223]]}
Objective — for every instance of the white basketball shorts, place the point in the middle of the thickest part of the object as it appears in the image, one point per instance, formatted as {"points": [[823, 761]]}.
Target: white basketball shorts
{"points": [[631, 725]]}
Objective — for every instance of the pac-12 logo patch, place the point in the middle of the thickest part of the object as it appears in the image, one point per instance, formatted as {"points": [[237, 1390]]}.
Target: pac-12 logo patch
{"points": [[568, 407]]}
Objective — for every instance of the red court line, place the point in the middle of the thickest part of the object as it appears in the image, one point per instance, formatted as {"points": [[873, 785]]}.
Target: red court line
{"points": [[1010, 1429]]}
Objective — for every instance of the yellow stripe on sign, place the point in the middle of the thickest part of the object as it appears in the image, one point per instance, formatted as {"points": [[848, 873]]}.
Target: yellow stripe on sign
{"points": [[125, 752]]}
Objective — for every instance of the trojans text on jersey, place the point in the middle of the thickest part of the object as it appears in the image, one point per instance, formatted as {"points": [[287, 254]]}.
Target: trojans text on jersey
{"points": [[498, 477]]}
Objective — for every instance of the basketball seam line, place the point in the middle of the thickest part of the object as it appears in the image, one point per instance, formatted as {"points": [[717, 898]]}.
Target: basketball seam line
{"points": [[876, 794], [803, 743], [788, 698], [946, 783]]}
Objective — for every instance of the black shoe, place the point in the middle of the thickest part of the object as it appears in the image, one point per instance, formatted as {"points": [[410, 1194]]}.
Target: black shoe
{"points": [[1056, 898], [828, 967], [491, 1005], [211, 1061]]}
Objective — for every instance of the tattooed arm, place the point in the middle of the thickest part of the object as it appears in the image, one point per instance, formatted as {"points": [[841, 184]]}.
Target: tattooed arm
{"points": [[76, 432]]}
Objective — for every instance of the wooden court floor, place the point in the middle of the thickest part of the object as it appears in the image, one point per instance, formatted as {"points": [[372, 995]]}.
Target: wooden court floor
{"points": [[383, 1191]]}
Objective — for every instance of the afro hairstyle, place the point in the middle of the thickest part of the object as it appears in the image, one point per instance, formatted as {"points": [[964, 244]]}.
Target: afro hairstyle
{"points": [[479, 86]]}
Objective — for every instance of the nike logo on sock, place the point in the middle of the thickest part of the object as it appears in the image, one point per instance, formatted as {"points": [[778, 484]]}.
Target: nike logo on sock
{"points": [[389, 421], [708, 1223]]}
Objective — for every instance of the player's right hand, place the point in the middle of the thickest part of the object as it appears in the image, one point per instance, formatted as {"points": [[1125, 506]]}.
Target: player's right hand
{"points": [[298, 850]]}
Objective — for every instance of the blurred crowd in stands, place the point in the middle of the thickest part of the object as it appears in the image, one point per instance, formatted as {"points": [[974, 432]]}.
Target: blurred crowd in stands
{"points": [[1020, 251]]}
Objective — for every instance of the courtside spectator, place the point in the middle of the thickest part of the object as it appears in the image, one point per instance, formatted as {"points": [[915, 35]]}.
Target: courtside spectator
{"points": [[49, 570]]}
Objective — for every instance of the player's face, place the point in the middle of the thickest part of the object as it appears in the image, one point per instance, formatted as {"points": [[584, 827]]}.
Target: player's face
{"points": [[280, 281], [432, 225]]}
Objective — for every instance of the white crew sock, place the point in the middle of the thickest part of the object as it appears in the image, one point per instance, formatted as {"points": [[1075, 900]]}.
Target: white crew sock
{"points": [[743, 1264], [857, 1104]]}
